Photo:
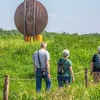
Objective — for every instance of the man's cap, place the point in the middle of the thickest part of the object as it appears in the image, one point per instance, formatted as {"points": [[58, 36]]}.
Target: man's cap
{"points": [[98, 48], [66, 53]]}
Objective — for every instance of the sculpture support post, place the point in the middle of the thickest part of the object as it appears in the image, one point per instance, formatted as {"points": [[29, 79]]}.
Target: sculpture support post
{"points": [[31, 18], [25, 19]]}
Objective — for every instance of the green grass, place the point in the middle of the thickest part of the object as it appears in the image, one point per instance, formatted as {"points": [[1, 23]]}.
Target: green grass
{"points": [[16, 61]]}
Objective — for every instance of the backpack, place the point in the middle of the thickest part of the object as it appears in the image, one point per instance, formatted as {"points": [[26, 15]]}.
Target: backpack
{"points": [[97, 61], [61, 67]]}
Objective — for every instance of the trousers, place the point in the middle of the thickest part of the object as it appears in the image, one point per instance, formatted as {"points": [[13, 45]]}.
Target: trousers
{"points": [[63, 80], [39, 78], [96, 77]]}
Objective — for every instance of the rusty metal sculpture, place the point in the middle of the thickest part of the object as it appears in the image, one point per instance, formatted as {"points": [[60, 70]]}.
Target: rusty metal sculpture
{"points": [[31, 18]]}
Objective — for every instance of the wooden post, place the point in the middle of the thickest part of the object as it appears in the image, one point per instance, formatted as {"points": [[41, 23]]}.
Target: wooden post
{"points": [[86, 77], [6, 87]]}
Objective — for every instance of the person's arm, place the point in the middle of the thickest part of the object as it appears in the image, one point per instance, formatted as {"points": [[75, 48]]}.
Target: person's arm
{"points": [[48, 68], [34, 67], [34, 71], [92, 64], [48, 63], [72, 74], [91, 67], [57, 64]]}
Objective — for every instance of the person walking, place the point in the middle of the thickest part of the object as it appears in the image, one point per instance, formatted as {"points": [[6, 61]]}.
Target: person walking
{"points": [[42, 67], [95, 67], [65, 71]]}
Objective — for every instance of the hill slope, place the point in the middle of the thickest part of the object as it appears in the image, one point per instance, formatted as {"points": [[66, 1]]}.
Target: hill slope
{"points": [[16, 61]]}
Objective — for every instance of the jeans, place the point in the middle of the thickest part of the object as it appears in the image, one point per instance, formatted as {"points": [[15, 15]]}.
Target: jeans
{"points": [[39, 80], [63, 80], [96, 77]]}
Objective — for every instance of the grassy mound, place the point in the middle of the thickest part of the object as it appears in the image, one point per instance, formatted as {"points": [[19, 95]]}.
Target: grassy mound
{"points": [[16, 61]]}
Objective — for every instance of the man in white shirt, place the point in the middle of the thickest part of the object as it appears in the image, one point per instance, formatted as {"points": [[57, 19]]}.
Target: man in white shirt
{"points": [[42, 67]]}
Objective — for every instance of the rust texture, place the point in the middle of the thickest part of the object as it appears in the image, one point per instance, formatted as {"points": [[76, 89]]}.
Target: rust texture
{"points": [[36, 18]]}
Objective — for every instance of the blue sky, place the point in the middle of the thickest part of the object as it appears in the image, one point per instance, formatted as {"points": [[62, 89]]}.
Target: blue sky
{"points": [[73, 16]]}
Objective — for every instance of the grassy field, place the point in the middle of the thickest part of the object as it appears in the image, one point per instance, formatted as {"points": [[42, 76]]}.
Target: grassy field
{"points": [[16, 61]]}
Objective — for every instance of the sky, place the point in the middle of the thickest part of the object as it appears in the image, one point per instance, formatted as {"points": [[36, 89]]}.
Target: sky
{"points": [[71, 16]]}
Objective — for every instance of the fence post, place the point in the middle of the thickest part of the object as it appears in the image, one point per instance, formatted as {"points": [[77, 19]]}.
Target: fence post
{"points": [[86, 77], [6, 87]]}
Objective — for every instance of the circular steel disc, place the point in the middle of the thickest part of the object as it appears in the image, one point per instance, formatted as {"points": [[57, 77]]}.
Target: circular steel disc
{"points": [[41, 18]]}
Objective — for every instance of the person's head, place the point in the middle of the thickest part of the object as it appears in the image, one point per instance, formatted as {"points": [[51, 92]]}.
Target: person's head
{"points": [[66, 53], [98, 49], [43, 45]]}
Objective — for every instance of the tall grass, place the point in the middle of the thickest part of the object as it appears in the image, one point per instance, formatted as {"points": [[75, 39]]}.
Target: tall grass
{"points": [[16, 61]]}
